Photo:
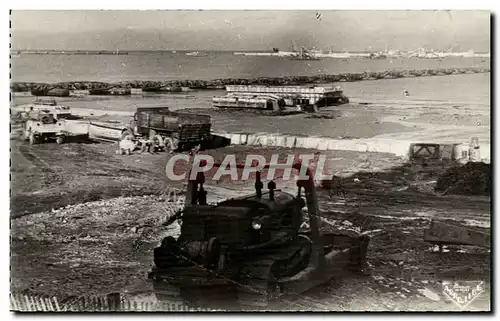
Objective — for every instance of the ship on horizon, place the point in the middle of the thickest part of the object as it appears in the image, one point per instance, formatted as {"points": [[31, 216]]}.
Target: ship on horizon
{"points": [[197, 54], [302, 54]]}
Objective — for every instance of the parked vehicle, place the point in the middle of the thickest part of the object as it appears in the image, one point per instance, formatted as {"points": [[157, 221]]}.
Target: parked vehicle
{"points": [[167, 129], [180, 130], [49, 105], [41, 126]]}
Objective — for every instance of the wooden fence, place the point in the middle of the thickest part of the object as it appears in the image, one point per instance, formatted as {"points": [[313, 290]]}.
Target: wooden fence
{"points": [[109, 303]]}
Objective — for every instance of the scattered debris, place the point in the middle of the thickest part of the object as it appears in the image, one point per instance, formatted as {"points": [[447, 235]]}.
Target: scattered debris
{"points": [[429, 294], [445, 232], [473, 178]]}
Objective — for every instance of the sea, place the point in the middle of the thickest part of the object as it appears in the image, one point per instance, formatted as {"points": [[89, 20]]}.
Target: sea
{"points": [[442, 105], [159, 66]]}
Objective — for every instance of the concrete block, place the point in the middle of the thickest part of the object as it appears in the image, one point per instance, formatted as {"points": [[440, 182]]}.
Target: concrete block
{"points": [[300, 142], [454, 233], [262, 139], [333, 144], [449, 151], [235, 139], [458, 152], [400, 148], [312, 142], [253, 139], [323, 143], [243, 138], [339, 144], [461, 152], [258, 139], [309, 142], [379, 147], [361, 147], [271, 140], [290, 141], [280, 140]]}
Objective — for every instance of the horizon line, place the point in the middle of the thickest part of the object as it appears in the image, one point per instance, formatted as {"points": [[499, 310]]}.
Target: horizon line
{"points": [[220, 50]]}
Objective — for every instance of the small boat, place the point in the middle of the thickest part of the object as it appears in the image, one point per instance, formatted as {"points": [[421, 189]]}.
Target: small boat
{"points": [[197, 54], [106, 130], [53, 92]]}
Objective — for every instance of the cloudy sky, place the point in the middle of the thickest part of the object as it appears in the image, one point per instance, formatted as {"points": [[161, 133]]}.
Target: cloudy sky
{"points": [[250, 30]]}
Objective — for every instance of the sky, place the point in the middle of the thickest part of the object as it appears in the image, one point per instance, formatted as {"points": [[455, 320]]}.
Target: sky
{"points": [[250, 30]]}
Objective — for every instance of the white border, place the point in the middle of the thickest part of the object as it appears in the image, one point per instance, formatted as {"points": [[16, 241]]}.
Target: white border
{"points": [[187, 4], [261, 4]]}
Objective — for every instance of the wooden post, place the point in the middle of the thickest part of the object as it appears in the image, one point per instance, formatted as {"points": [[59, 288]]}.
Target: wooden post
{"points": [[114, 301], [474, 150]]}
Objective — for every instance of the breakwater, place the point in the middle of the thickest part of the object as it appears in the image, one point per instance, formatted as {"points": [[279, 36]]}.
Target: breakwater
{"points": [[221, 83]]}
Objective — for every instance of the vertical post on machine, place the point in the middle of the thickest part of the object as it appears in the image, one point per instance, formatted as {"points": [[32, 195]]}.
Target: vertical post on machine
{"points": [[193, 195], [258, 185], [318, 257]]}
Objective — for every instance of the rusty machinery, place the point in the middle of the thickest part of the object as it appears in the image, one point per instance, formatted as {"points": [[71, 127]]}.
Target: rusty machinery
{"points": [[252, 247]]}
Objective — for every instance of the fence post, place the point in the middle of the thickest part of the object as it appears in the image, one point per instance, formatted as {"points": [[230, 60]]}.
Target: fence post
{"points": [[114, 301], [42, 304], [13, 303], [56, 304], [27, 303]]}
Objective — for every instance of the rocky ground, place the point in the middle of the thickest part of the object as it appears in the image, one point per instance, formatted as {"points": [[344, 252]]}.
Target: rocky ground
{"points": [[84, 221]]}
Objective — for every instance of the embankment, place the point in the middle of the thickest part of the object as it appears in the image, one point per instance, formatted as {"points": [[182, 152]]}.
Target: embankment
{"points": [[221, 83]]}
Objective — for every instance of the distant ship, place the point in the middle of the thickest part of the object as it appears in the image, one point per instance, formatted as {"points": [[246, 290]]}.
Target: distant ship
{"points": [[378, 55], [303, 54], [197, 54]]}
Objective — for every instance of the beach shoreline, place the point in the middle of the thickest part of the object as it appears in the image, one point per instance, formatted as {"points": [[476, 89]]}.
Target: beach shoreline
{"points": [[426, 116]]}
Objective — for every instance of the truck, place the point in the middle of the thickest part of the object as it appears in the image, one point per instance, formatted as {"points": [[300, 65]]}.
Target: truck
{"points": [[181, 130], [46, 104], [42, 125]]}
